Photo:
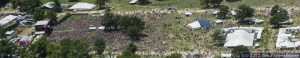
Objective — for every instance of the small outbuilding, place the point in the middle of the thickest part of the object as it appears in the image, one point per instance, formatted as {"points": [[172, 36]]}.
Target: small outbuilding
{"points": [[82, 6]]}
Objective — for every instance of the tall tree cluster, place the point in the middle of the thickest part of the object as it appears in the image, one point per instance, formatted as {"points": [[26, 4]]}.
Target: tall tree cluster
{"points": [[219, 37], [224, 12], [278, 15], [3, 2], [131, 24], [41, 14], [244, 12], [240, 52], [26, 5], [129, 52], [101, 3], [56, 6]]}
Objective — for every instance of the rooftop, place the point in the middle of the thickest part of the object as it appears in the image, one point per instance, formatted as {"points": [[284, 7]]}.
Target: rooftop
{"points": [[44, 22], [7, 19], [286, 38], [82, 6], [245, 36]]}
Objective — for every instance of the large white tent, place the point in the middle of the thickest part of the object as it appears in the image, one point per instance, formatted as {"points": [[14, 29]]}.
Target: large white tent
{"points": [[82, 6], [239, 37]]}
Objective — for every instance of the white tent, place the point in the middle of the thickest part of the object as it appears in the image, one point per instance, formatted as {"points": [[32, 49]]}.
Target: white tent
{"points": [[239, 37], [219, 21], [48, 5], [82, 6], [216, 12], [188, 13], [233, 12], [194, 25], [133, 2]]}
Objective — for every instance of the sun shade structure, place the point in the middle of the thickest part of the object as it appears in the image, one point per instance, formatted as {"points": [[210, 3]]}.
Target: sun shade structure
{"points": [[288, 38], [48, 5], [82, 6], [200, 24], [246, 36]]}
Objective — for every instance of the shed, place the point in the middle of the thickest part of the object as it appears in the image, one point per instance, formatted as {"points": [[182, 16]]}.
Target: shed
{"points": [[82, 6]]}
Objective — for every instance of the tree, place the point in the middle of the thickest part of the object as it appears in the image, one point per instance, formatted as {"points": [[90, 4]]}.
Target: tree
{"points": [[216, 2], [2, 32], [54, 51], [130, 52], [56, 6], [244, 12], [240, 51], [143, 2], [50, 14], [39, 48], [3, 2], [101, 3], [209, 3], [275, 9], [75, 48], [38, 14], [15, 3], [281, 16], [224, 11], [107, 20], [100, 45], [29, 5], [133, 31], [174, 55], [219, 37], [7, 48]]}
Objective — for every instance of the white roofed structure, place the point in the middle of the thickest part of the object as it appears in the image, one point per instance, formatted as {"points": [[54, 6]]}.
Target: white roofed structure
{"points": [[8, 21], [194, 25], [48, 5], [82, 6], [287, 38], [44, 22], [133, 1], [246, 36]]}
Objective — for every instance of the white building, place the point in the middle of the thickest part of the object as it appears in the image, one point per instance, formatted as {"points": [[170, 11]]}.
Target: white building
{"points": [[133, 2], [8, 21], [287, 38], [82, 6], [246, 36]]}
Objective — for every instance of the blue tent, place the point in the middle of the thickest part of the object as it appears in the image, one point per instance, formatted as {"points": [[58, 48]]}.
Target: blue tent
{"points": [[205, 24]]}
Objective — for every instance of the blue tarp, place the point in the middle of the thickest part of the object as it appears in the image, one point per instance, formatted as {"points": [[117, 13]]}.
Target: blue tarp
{"points": [[205, 24]]}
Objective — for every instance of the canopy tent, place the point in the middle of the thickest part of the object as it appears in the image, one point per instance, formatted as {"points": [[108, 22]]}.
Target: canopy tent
{"points": [[48, 5], [82, 6], [188, 13], [200, 23]]}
